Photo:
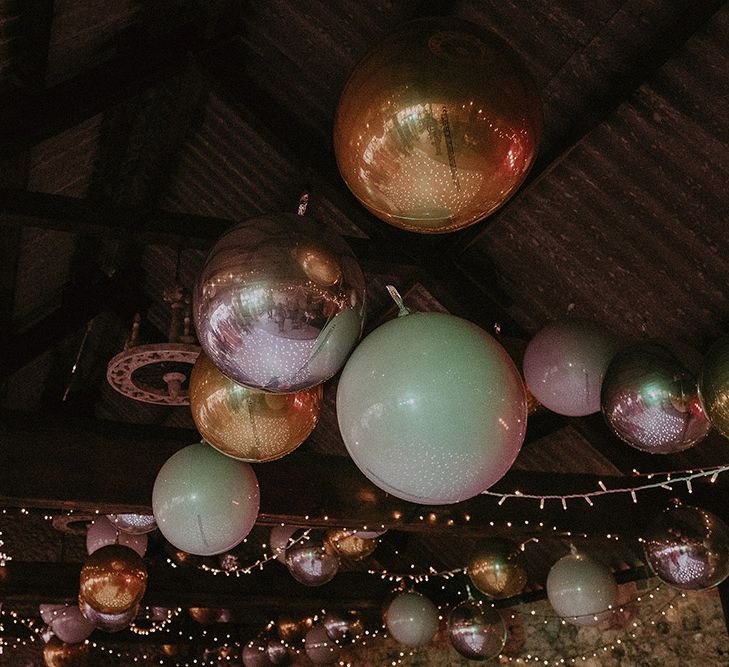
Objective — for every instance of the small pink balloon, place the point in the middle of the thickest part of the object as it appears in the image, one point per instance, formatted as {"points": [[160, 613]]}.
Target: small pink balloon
{"points": [[103, 532], [70, 626], [50, 612], [565, 363]]}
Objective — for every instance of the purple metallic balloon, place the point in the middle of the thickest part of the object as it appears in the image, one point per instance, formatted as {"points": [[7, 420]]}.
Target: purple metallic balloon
{"points": [[342, 626], [651, 401], [320, 649], [254, 654], [279, 304], [108, 622], [311, 564], [277, 653], [564, 365], [476, 631], [688, 548]]}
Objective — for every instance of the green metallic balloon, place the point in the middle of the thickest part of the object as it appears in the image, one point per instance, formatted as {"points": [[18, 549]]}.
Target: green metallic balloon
{"points": [[204, 502], [431, 408], [714, 385]]}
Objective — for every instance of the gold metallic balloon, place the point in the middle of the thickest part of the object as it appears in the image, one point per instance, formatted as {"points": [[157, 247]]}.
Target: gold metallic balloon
{"points": [[113, 579], [498, 569], [59, 654], [246, 424], [292, 629], [346, 544], [209, 615], [437, 126], [714, 385]]}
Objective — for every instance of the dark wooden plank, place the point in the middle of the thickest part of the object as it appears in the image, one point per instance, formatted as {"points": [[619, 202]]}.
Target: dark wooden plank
{"points": [[36, 23], [90, 465], [145, 226]]}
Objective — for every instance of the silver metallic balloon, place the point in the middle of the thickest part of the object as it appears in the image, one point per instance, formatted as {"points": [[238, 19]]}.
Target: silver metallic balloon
{"points": [[311, 564], [108, 622], [277, 653], [476, 631], [279, 304], [342, 626], [688, 548], [651, 401], [136, 524]]}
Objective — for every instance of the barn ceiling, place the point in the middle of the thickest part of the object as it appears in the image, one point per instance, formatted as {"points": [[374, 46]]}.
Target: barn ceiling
{"points": [[132, 136]]}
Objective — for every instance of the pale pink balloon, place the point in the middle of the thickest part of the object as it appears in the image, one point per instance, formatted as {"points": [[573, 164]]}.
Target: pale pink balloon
{"points": [[103, 532], [565, 363], [66, 622]]}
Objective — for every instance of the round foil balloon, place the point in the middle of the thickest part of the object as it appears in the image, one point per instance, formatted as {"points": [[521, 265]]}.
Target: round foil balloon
{"points": [[107, 622], [431, 408], [205, 503], [277, 653], [50, 612], [246, 424], [59, 654], [311, 564], [477, 632], [651, 401], [254, 654], [498, 568], [581, 590], [70, 625], [102, 532], [279, 304], [688, 548], [411, 619], [714, 385], [280, 539], [113, 579], [565, 363], [342, 626], [438, 126], [135, 524], [320, 649], [346, 544]]}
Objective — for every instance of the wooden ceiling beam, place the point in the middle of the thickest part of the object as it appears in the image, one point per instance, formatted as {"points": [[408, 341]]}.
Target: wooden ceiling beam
{"points": [[93, 465]]}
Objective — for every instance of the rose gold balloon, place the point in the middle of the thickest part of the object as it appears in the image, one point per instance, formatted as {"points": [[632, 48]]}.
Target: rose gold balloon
{"points": [[346, 544], [113, 579], [58, 654], [437, 126], [246, 424]]}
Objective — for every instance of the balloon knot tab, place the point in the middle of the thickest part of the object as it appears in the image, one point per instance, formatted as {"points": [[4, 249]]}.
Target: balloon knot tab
{"points": [[402, 310]]}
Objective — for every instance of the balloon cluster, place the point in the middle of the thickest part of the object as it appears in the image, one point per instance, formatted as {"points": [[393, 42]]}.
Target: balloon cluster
{"points": [[647, 397]]}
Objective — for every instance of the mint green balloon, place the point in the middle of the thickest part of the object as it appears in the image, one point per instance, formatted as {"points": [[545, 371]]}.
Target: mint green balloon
{"points": [[204, 502], [431, 408]]}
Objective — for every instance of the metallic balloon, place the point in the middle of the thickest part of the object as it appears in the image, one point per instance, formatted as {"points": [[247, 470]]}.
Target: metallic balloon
{"points": [[320, 649], [431, 408], [651, 401], [293, 629], [688, 548], [279, 304], [107, 622], [50, 612], [277, 653], [246, 424], [565, 363], [135, 524], [58, 654], [103, 532], [438, 126], [205, 503], [476, 631], [281, 536], [254, 654], [113, 580], [343, 626], [311, 563], [581, 590], [714, 385], [498, 568], [209, 615], [411, 619], [346, 544]]}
